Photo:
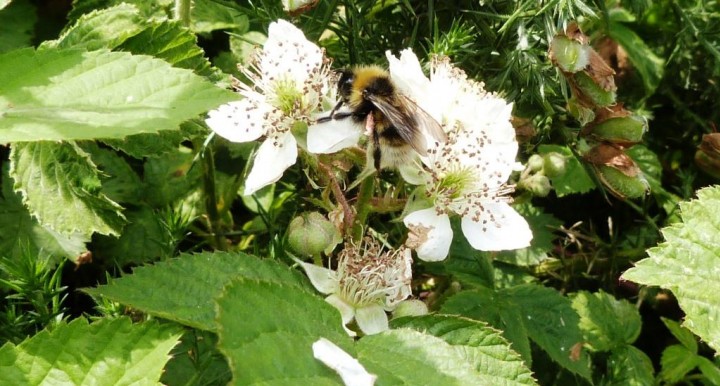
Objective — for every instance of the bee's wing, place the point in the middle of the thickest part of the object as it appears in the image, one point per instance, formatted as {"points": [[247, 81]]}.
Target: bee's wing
{"points": [[410, 120]]}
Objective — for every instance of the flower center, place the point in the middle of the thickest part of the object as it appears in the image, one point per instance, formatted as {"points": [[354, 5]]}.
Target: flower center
{"points": [[455, 182], [286, 96], [371, 275]]}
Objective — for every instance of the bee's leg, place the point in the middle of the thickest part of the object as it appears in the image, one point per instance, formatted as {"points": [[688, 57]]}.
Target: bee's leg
{"points": [[333, 114], [372, 132]]}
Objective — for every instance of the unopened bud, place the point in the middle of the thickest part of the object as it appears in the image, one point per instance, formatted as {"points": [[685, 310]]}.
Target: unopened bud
{"points": [[311, 234], [621, 185], [590, 93], [617, 171], [710, 145], [554, 164], [618, 126], [569, 54], [537, 184], [297, 7], [535, 163], [410, 307]]}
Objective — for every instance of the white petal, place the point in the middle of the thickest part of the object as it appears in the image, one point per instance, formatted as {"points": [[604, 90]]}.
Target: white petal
{"points": [[434, 231], [407, 73], [499, 228], [350, 370], [274, 156], [324, 280], [287, 54], [372, 319], [347, 312], [240, 121], [332, 136]]}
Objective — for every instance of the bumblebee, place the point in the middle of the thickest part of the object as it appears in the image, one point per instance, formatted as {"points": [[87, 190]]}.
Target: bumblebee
{"points": [[396, 125]]}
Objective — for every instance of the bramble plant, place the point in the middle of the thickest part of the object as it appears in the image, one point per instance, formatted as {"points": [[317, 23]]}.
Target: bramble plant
{"points": [[187, 199]]}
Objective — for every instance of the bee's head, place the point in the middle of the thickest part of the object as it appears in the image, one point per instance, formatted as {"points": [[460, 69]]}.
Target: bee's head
{"points": [[345, 84]]}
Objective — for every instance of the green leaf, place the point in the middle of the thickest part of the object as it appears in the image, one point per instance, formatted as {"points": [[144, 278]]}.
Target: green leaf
{"points": [[21, 235], [709, 369], [267, 329], [197, 357], [170, 177], [527, 312], [483, 346], [683, 335], [688, 264], [648, 65], [183, 289], [60, 185], [104, 28], [409, 357], [148, 9], [651, 167], [628, 366], [542, 226], [175, 44], [54, 94], [119, 181], [211, 15], [575, 179], [144, 239], [107, 352], [676, 362], [606, 323], [17, 25]]}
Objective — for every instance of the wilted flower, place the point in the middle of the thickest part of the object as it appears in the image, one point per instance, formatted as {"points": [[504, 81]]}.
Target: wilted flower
{"points": [[289, 80], [369, 281], [467, 174]]}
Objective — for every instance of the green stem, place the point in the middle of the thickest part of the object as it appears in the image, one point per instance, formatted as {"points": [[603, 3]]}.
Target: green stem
{"points": [[182, 11], [365, 195], [211, 199]]}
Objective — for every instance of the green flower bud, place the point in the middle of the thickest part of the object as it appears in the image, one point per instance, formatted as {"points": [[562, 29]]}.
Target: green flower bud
{"points": [[554, 164], [617, 125], [621, 185], [535, 163], [410, 307], [624, 131], [583, 114], [590, 92], [311, 234], [537, 184], [569, 54]]}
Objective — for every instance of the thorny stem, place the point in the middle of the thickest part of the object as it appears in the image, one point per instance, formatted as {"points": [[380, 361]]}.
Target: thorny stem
{"points": [[182, 11], [362, 206], [349, 216], [211, 199]]}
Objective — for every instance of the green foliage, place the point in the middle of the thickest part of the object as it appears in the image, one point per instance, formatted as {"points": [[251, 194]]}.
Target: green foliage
{"points": [[17, 21], [107, 162], [64, 171], [22, 235], [523, 313], [66, 97], [484, 346], [110, 351], [264, 345], [686, 264], [575, 179], [201, 278]]}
